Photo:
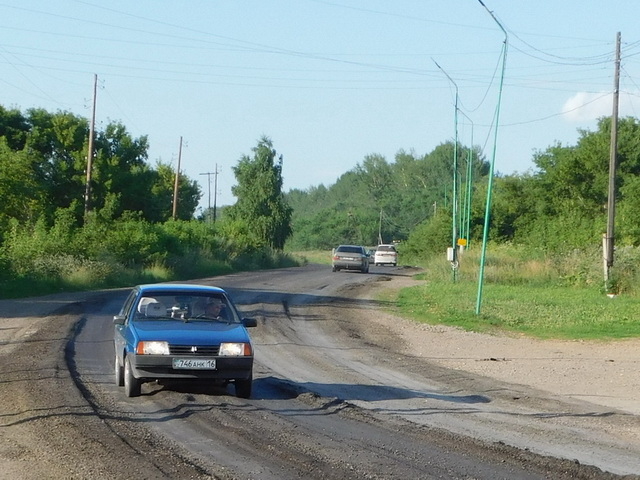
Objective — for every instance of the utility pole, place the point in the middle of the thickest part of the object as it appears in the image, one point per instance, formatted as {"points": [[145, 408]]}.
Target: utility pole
{"points": [[87, 190], [175, 185], [208, 174], [469, 189], [613, 157], [215, 190], [454, 210]]}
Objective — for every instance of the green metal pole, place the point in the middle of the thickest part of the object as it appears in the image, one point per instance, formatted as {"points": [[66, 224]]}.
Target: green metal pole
{"points": [[454, 202], [454, 210], [469, 189], [465, 222], [487, 212]]}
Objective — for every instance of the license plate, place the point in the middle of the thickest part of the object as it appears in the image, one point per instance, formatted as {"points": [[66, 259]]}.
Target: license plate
{"points": [[195, 363]]}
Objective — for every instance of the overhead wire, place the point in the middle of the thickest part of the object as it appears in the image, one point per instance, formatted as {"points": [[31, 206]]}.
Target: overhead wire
{"points": [[559, 59], [260, 46], [251, 45], [4, 54], [235, 44], [630, 93]]}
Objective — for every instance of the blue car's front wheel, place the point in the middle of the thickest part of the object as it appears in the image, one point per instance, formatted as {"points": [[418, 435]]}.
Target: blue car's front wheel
{"points": [[132, 386], [243, 387], [119, 373]]}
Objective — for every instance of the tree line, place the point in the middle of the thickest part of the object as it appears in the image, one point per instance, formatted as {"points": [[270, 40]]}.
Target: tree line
{"points": [[382, 202], [558, 205], [48, 240], [43, 160]]}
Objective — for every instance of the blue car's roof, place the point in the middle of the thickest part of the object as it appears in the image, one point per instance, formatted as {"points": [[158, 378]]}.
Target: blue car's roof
{"points": [[179, 287]]}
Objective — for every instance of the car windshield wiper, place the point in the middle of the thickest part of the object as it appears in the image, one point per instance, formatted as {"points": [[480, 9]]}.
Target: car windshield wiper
{"points": [[204, 317]]}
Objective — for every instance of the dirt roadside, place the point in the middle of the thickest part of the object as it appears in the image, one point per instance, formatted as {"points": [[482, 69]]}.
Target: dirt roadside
{"points": [[603, 373], [48, 429]]}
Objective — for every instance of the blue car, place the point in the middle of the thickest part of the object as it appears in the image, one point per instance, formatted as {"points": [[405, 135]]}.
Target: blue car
{"points": [[180, 331]]}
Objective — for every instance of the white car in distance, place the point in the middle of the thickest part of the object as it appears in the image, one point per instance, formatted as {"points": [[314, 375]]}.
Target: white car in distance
{"points": [[386, 254]]}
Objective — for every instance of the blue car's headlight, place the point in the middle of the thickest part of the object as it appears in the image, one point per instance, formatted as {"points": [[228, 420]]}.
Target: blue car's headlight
{"points": [[152, 348], [235, 349]]}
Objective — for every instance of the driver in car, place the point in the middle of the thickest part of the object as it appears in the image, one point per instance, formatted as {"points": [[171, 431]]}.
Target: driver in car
{"points": [[214, 309]]}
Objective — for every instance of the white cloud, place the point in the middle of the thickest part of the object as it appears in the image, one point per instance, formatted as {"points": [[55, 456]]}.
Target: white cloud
{"points": [[584, 106]]}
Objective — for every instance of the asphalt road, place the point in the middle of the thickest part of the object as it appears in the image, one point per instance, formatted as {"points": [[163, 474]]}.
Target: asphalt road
{"points": [[332, 399]]}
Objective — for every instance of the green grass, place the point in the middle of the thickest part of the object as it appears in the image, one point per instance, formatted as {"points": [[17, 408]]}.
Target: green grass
{"points": [[528, 293], [538, 311], [67, 274], [313, 256]]}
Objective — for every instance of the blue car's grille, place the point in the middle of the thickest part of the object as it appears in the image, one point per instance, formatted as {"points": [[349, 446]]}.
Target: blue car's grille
{"points": [[205, 350]]}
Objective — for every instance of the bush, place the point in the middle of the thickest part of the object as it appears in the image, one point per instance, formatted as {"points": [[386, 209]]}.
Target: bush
{"points": [[429, 239], [110, 253], [625, 273]]}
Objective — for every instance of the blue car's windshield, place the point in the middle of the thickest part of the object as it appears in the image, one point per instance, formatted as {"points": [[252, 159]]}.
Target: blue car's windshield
{"points": [[185, 306]]}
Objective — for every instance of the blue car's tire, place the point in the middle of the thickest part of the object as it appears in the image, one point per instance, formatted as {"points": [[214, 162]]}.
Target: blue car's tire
{"points": [[132, 386], [243, 387], [119, 373]]}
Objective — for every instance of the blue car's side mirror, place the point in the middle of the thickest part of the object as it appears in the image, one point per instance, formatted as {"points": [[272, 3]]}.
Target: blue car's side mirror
{"points": [[249, 322]]}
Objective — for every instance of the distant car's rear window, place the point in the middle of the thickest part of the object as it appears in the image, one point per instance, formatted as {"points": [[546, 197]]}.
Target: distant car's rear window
{"points": [[386, 248], [348, 248]]}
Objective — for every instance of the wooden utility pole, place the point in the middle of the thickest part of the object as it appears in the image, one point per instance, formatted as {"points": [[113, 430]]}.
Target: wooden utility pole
{"points": [[215, 190], [87, 188], [613, 157], [175, 185], [208, 174]]}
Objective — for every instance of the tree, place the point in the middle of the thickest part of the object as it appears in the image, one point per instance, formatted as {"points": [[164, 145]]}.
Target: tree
{"points": [[432, 237], [22, 196], [563, 205], [13, 127], [627, 225], [576, 178], [162, 187], [120, 168], [383, 199], [59, 141], [44, 159], [260, 201]]}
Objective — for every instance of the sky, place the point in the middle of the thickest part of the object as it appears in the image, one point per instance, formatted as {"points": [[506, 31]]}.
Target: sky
{"points": [[328, 81]]}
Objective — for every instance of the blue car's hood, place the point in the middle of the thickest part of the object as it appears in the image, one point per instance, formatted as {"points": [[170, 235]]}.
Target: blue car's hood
{"points": [[178, 332]]}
